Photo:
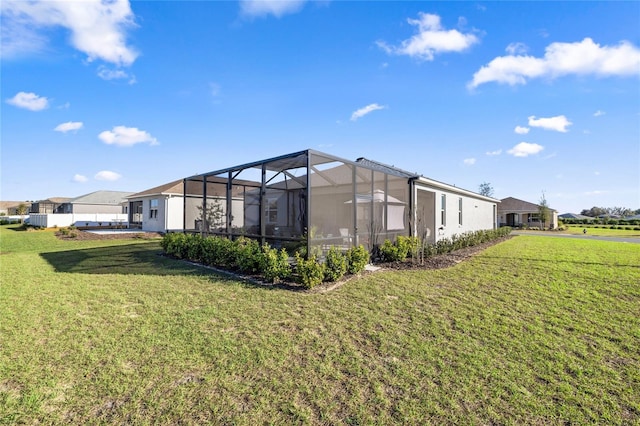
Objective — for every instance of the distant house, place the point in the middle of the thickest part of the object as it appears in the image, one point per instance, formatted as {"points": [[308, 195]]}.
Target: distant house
{"points": [[574, 216], [10, 208], [520, 213], [50, 205], [96, 202], [158, 209]]}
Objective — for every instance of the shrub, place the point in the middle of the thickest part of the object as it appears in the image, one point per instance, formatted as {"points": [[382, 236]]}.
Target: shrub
{"points": [[335, 265], [274, 264], [357, 259], [247, 254], [407, 246], [219, 252], [389, 252], [310, 272], [194, 247]]}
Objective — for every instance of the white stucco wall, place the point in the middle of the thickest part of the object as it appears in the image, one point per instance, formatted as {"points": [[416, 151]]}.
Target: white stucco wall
{"points": [[169, 216], [477, 211], [173, 213]]}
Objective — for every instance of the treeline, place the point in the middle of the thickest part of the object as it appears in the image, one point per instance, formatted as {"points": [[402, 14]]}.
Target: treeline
{"points": [[609, 211]]}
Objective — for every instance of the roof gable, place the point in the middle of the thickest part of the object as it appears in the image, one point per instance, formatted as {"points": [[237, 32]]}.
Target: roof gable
{"points": [[175, 187], [514, 204]]}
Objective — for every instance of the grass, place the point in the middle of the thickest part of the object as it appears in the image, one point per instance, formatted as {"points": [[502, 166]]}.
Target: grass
{"points": [[533, 330], [603, 230]]}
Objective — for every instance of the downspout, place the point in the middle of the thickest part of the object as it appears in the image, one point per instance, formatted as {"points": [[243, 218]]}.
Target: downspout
{"points": [[308, 213], [184, 205], [166, 213], [413, 231]]}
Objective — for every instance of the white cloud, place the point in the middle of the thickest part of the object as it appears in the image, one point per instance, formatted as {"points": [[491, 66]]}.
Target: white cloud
{"points": [[107, 175], [79, 178], [517, 49], [524, 149], [126, 136], [580, 58], [596, 192], [276, 8], [365, 110], [469, 161], [68, 126], [521, 130], [115, 74], [431, 38], [98, 28], [558, 123], [598, 113], [29, 101], [493, 153]]}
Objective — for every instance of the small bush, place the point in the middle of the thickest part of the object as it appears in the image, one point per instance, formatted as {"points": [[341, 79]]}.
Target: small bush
{"points": [[335, 265], [310, 272], [389, 252], [247, 254], [357, 259], [274, 264]]}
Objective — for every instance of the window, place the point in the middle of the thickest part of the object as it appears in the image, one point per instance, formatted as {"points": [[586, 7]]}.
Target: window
{"points": [[443, 210], [460, 211], [153, 208], [272, 210]]}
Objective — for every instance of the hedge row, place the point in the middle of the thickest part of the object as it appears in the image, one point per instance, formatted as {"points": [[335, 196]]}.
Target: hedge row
{"points": [[248, 256], [411, 247], [600, 221]]}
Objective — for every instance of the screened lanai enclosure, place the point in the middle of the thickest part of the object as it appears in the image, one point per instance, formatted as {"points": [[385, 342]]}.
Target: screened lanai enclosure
{"points": [[305, 199]]}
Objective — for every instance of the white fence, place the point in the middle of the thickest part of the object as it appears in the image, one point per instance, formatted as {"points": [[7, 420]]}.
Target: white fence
{"points": [[78, 219]]}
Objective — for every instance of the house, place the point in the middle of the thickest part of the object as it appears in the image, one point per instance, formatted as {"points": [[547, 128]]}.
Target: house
{"points": [[50, 205], [309, 198], [99, 208], [519, 213], [10, 208], [96, 202], [157, 209], [574, 216]]}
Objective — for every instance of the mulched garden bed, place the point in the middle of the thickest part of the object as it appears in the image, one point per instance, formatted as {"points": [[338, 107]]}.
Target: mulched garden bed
{"points": [[443, 260]]}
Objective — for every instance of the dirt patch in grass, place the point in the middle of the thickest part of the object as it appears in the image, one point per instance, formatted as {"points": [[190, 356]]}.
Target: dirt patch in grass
{"points": [[83, 235]]}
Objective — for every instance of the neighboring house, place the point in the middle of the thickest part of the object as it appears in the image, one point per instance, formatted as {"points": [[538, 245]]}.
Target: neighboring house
{"points": [[519, 213], [98, 202], [50, 205], [317, 200], [157, 209], [10, 208], [574, 216]]}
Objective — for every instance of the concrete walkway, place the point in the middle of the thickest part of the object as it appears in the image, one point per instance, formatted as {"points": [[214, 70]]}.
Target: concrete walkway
{"points": [[633, 240]]}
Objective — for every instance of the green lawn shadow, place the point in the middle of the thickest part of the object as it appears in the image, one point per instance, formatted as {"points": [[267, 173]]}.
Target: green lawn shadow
{"points": [[142, 259], [129, 259]]}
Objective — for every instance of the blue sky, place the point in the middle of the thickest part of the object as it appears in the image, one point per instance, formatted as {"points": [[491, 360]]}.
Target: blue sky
{"points": [[531, 97]]}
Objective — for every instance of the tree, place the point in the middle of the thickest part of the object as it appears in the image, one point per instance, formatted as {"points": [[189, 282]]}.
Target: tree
{"points": [[486, 189], [212, 216], [543, 210], [594, 212], [22, 209]]}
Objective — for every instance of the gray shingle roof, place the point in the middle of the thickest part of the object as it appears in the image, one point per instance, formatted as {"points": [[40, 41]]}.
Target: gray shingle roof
{"points": [[101, 197]]}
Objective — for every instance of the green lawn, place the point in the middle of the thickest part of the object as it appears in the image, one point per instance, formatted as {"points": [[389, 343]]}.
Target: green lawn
{"points": [[533, 330], [602, 231]]}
